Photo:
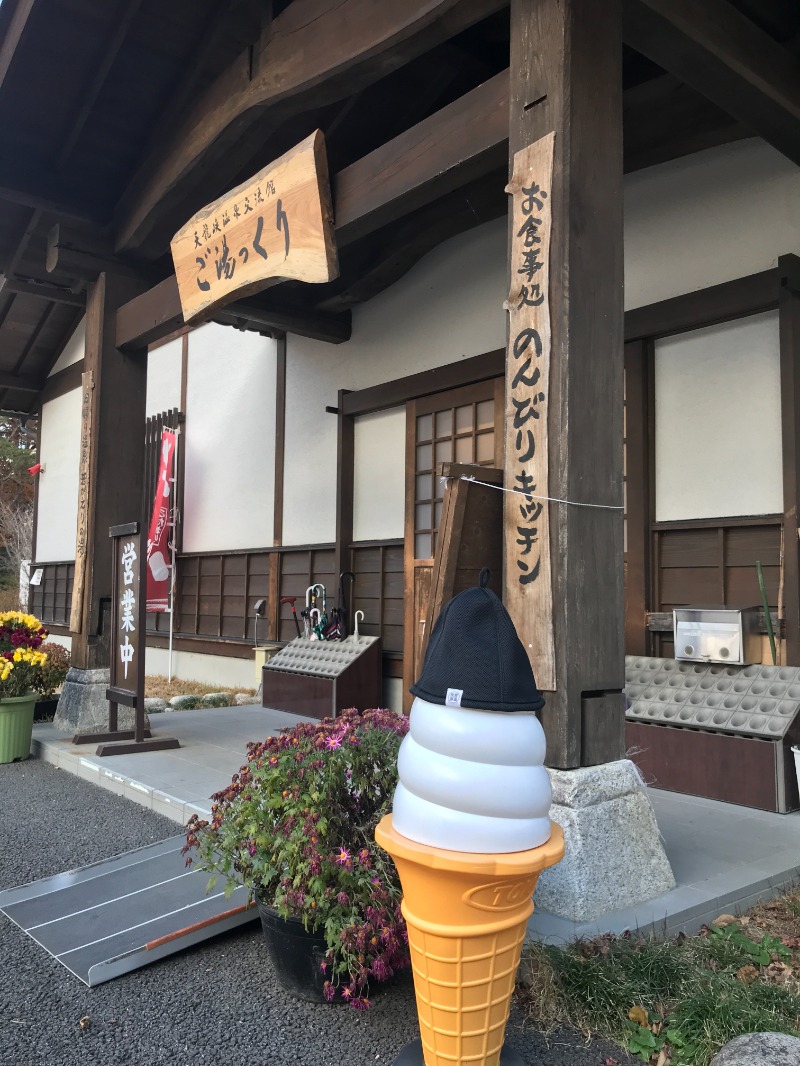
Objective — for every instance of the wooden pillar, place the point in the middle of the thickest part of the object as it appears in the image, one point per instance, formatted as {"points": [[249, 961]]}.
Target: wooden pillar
{"points": [[638, 479], [345, 475], [566, 79], [112, 464], [789, 325]]}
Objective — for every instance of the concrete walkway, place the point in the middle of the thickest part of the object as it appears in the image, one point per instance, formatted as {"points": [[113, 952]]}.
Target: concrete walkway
{"points": [[724, 857]]}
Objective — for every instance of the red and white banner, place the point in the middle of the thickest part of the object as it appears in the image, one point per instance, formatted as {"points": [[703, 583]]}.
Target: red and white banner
{"points": [[158, 548]]}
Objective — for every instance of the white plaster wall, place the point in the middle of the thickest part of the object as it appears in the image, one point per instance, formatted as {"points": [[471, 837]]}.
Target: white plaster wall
{"points": [[74, 349], [230, 440], [223, 671], [448, 307], [164, 377], [708, 218], [718, 428], [216, 671], [59, 452], [379, 481]]}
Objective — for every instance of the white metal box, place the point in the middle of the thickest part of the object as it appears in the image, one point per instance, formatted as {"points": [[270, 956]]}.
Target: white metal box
{"points": [[717, 635]]}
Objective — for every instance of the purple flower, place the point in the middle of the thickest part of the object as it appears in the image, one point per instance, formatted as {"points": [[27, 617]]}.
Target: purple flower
{"points": [[360, 1003], [328, 991], [380, 971], [343, 898]]}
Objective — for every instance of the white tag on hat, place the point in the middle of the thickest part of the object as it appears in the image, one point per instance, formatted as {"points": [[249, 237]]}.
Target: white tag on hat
{"points": [[454, 697]]}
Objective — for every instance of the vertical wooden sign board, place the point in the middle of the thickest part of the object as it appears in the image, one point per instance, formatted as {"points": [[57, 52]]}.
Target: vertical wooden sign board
{"points": [[128, 642], [528, 575], [84, 489]]}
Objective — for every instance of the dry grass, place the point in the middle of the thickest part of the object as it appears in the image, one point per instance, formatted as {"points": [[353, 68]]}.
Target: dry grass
{"points": [[678, 1001], [9, 599], [157, 685]]}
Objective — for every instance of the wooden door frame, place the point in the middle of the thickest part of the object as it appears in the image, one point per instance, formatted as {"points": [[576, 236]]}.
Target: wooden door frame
{"points": [[463, 393]]}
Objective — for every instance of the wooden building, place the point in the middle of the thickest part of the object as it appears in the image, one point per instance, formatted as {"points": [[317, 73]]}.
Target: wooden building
{"points": [[314, 418]]}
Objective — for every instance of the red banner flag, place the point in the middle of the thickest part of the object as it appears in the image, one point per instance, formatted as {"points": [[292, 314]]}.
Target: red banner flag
{"points": [[158, 550]]}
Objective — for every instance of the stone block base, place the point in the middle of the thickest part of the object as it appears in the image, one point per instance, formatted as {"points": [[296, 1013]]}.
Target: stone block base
{"points": [[83, 707], [614, 856]]}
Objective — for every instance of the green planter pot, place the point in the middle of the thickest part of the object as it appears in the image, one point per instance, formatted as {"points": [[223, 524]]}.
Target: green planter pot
{"points": [[16, 725]]}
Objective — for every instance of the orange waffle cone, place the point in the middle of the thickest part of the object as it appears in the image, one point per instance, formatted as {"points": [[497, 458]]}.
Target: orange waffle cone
{"points": [[466, 916]]}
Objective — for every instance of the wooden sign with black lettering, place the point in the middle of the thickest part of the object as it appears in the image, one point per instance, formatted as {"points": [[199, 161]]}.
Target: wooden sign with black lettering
{"points": [[276, 226], [528, 579]]}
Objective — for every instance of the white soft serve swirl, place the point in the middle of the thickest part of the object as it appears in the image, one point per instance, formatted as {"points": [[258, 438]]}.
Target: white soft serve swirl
{"points": [[472, 780]]}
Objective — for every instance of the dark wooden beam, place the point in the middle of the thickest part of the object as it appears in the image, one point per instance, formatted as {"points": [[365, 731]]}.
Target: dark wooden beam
{"points": [[149, 317], [705, 307], [62, 382], [316, 48], [23, 382], [394, 250], [16, 28], [789, 319], [726, 57], [33, 187], [425, 383], [664, 119], [780, 18], [274, 315], [85, 254], [97, 79], [465, 140], [638, 359], [157, 312], [42, 290]]}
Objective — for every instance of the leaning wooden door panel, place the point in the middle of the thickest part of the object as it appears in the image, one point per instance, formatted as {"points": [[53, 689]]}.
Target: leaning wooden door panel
{"points": [[470, 537], [457, 426]]}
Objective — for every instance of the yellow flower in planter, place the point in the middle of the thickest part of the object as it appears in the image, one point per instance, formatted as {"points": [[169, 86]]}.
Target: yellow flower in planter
{"points": [[21, 637]]}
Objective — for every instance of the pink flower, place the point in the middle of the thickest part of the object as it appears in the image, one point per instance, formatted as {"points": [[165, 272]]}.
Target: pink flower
{"points": [[342, 857], [333, 742], [360, 1003]]}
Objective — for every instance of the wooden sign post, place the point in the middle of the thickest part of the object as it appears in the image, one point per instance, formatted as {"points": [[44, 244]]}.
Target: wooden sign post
{"points": [[276, 226], [528, 577], [128, 641]]}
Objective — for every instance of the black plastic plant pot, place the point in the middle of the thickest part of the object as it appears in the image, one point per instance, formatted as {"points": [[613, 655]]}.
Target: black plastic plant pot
{"points": [[296, 954], [45, 708]]}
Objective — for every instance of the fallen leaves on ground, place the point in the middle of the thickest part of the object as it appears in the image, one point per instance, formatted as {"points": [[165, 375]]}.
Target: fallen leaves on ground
{"points": [[639, 1015]]}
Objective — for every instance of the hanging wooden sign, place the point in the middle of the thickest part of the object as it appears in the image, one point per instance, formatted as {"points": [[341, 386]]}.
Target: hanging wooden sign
{"points": [[274, 227], [528, 579]]}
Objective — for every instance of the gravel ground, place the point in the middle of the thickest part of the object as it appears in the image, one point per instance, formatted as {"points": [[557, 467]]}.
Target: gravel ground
{"points": [[214, 1005]]}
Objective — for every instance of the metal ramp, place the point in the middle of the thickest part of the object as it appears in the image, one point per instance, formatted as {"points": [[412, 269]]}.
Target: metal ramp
{"points": [[123, 913]]}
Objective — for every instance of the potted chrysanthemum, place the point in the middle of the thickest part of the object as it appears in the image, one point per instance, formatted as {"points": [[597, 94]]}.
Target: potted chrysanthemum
{"points": [[21, 664], [296, 826], [51, 677]]}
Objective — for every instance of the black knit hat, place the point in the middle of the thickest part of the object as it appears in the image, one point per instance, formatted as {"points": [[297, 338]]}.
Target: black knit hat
{"points": [[475, 658]]}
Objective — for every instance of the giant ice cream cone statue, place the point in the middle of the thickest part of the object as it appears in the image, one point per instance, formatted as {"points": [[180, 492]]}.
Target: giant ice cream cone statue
{"points": [[470, 831]]}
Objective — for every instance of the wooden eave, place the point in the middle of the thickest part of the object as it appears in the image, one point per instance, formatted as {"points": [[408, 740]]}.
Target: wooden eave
{"points": [[160, 108]]}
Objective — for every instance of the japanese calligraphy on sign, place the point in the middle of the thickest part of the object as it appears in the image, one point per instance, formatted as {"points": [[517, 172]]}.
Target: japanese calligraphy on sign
{"points": [[127, 606], [127, 641], [528, 584], [277, 225]]}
